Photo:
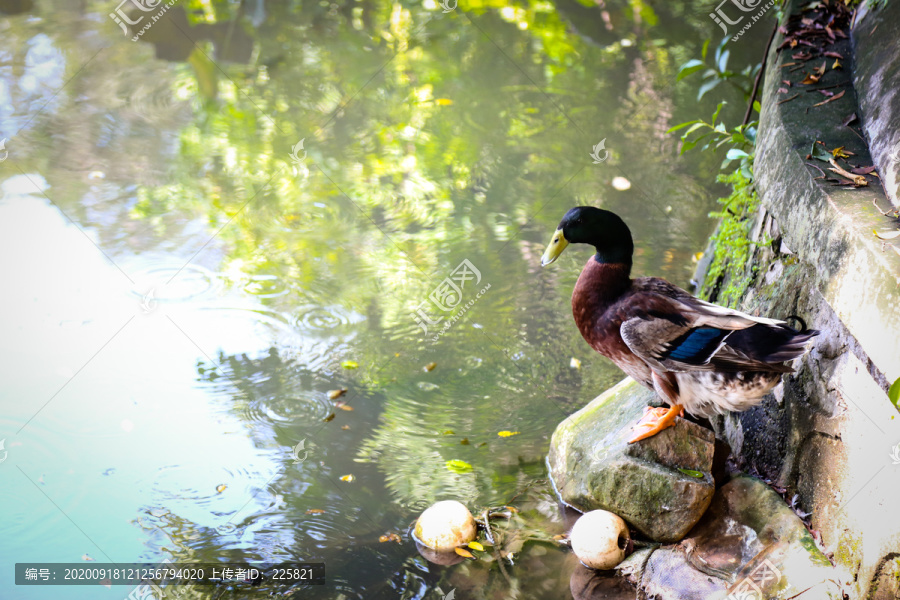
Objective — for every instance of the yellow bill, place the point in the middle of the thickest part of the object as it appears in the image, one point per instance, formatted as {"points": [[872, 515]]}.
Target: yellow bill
{"points": [[557, 245]]}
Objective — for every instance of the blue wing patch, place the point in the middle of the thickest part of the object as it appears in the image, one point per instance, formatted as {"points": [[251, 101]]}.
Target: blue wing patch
{"points": [[697, 346]]}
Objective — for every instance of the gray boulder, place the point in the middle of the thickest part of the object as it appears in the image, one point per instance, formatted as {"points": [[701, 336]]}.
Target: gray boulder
{"points": [[661, 486]]}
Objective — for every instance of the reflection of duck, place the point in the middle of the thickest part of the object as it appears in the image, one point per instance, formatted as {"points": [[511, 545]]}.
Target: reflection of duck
{"points": [[698, 356]]}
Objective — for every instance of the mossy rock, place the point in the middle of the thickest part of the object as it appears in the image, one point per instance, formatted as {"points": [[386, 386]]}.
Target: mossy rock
{"points": [[661, 486]]}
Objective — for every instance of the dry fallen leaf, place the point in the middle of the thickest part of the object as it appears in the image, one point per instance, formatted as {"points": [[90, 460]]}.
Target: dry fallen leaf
{"points": [[347, 478], [346, 407], [810, 79], [857, 180], [862, 170], [429, 367], [832, 99], [315, 511], [839, 152], [836, 65], [345, 427], [464, 553], [335, 394], [329, 417], [390, 537]]}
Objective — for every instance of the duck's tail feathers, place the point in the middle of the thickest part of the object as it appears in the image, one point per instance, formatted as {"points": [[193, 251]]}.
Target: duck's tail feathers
{"points": [[773, 343]]}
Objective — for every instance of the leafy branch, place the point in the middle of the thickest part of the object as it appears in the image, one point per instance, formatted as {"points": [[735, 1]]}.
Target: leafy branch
{"points": [[714, 134]]}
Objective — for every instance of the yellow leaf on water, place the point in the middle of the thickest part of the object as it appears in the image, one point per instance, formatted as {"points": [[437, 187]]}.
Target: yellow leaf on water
{"points": [[459, 466], [507, 433], [221, 488], [329, 417], [345, 427], [335, 394], [464, 553], [348, 478], [574, 363], [430, 367], [315, 511], [350, 364], [443, 101], [476, 546], [346, 407]]}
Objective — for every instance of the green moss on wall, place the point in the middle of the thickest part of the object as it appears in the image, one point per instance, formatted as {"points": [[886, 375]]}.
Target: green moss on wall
{"points": [[730, 272]]}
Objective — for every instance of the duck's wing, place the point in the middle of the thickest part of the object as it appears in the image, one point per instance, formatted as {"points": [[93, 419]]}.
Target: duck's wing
{"points": [[673, 331]]}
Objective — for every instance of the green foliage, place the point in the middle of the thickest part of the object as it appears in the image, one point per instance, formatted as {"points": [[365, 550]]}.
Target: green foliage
{"points": [[733, 248], [894, 393], [714, 134], [715, 70]]}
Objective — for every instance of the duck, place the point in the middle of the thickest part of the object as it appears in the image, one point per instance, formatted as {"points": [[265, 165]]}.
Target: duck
{"points": [[697, 356]]}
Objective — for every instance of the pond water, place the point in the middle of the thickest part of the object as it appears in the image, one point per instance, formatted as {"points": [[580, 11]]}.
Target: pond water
{"points": [[185, 281]]}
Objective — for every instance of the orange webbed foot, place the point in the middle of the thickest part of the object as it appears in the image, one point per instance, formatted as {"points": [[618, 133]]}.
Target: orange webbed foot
{"points": [[654, 421]]}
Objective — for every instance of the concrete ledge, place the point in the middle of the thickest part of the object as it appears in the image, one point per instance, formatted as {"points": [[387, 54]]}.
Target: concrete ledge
{"points": [[830, 227], [877, 78]]}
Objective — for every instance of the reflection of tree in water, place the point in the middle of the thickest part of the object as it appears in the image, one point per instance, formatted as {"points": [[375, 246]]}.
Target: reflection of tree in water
{"points": [[449, 152]]}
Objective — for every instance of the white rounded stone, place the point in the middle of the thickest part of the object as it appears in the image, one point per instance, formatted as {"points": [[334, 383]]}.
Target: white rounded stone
{"points": [[446, 525], [598, 539]]}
